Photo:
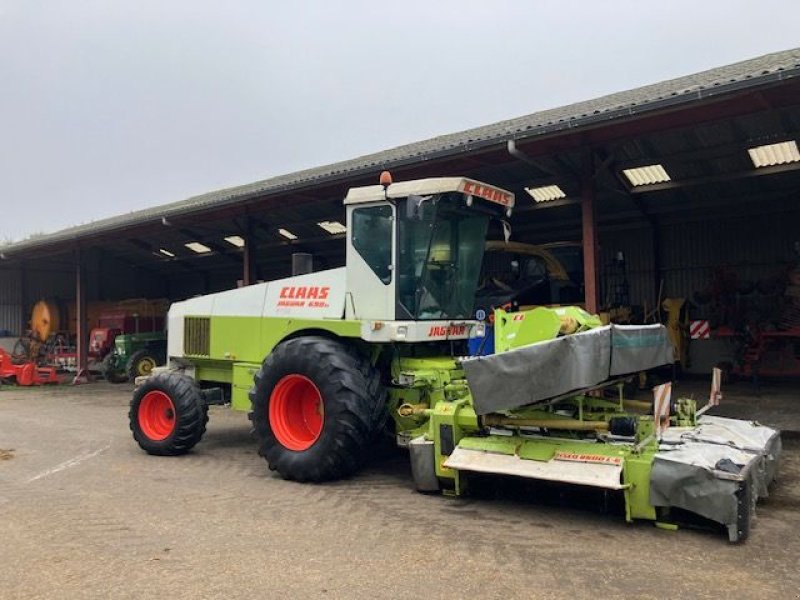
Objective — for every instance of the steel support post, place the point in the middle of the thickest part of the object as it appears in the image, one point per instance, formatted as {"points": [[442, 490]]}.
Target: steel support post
{"points": [[656, 230], [82, 340], [23, 298], [591, 280]]}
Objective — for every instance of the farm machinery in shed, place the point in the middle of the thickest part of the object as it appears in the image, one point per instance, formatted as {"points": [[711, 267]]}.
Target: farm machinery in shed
{"points": [[326, 362], [126, 339]]}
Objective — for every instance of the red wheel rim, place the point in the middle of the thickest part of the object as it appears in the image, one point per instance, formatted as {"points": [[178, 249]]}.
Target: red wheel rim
{"points": [[156, 415], [296, 412]]}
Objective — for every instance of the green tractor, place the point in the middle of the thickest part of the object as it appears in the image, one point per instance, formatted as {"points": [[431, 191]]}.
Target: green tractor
{"points": [[324, 363], [135, 355]]}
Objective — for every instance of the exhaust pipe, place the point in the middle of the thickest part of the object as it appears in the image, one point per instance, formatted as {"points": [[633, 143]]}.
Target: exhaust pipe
{"points": [[302, 263]]}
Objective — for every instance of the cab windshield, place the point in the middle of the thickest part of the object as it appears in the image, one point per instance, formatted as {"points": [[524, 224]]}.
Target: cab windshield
{"points": [[441, 242]]}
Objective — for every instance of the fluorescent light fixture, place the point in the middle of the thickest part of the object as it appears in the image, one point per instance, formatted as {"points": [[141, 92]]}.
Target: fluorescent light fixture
{"points": [[166, 252], [235, 240], [546, 193], [647, 175], [198, 247], [287, 234], [332, 227], [774, 154]]}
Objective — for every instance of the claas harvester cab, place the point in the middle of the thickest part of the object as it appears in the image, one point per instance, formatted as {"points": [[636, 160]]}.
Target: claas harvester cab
{"points": [[325, 363]]}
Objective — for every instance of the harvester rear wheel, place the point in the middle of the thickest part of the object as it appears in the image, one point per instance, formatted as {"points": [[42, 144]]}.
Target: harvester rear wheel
{"points": [[317, 405], [141, 363], [167, 414]]}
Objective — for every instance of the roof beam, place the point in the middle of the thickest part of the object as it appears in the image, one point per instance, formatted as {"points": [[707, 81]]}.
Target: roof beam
{"points": [[776, 201], [193, 236], [709, 153], [568, 201], [162, 258], [536, 163], [682, 183]]}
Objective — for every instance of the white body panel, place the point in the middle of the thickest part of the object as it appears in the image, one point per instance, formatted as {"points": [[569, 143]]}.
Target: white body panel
{"points": [[744, 435], [202, 305], [420, 331], [246, 301], [313, 296], [606, 476], [367, 296]]}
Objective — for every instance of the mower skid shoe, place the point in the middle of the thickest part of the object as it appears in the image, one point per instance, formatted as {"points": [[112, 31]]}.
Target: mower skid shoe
{"points": [[745, 505]]}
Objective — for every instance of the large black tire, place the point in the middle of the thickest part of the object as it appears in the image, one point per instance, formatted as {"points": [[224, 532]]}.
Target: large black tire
{"points": [[111, 370], [168, 415], [141, 363], [353, 408]]}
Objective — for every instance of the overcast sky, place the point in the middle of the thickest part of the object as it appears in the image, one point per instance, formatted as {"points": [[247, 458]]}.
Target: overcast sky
{"points": [[112, 106]]}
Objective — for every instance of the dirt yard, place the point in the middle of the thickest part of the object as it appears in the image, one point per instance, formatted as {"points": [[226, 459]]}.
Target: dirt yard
{"points": [[86, 514]]}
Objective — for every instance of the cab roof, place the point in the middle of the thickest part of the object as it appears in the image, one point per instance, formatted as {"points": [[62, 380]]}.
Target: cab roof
{"points": [[426, 187]]}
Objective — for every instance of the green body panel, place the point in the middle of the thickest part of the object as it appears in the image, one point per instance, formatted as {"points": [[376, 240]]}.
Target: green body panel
{"points": [[636, 473], [238, 346], [251, 339], [515, 329], [512, 330], [243, 374], [213, 370], [457, 418], [494, 444]]}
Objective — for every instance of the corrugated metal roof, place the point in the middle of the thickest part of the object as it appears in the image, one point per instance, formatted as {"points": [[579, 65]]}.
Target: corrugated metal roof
{"points": [[683, 90]]}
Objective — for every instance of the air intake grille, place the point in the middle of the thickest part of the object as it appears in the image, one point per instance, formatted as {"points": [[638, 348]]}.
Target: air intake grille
{"points": [[197, 336]]}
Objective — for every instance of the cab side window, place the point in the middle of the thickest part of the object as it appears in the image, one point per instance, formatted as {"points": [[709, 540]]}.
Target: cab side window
{"points": [[372, 239]]}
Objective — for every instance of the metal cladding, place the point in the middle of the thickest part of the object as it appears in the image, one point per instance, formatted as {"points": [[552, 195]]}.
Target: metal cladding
{"points": [[11, 301]]}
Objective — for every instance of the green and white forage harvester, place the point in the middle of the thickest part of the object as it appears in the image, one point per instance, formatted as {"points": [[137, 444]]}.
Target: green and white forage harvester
{"points": [[326, 362]]}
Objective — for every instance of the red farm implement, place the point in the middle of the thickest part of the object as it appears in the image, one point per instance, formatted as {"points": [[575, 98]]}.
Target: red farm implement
{"points": [[26, 373]]}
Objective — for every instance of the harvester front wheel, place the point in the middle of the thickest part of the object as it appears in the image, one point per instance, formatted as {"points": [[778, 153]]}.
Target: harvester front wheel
{"points": [[167, 414], [317, 404]]}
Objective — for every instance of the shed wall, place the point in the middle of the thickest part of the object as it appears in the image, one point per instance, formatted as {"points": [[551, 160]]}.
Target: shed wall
{"points": [[41, 283], [113, 279], [753, 247], [11, 302]]}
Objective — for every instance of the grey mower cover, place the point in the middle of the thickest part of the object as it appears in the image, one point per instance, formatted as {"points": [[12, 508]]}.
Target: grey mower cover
{"points": [[544, 370], [718, 469]]}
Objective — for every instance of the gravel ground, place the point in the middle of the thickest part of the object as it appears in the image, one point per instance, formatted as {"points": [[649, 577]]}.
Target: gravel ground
{"points": [[86, 514]]}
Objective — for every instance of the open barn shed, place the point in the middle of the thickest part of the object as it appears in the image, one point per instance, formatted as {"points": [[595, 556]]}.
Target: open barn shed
{"points": [[685, 189]]}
